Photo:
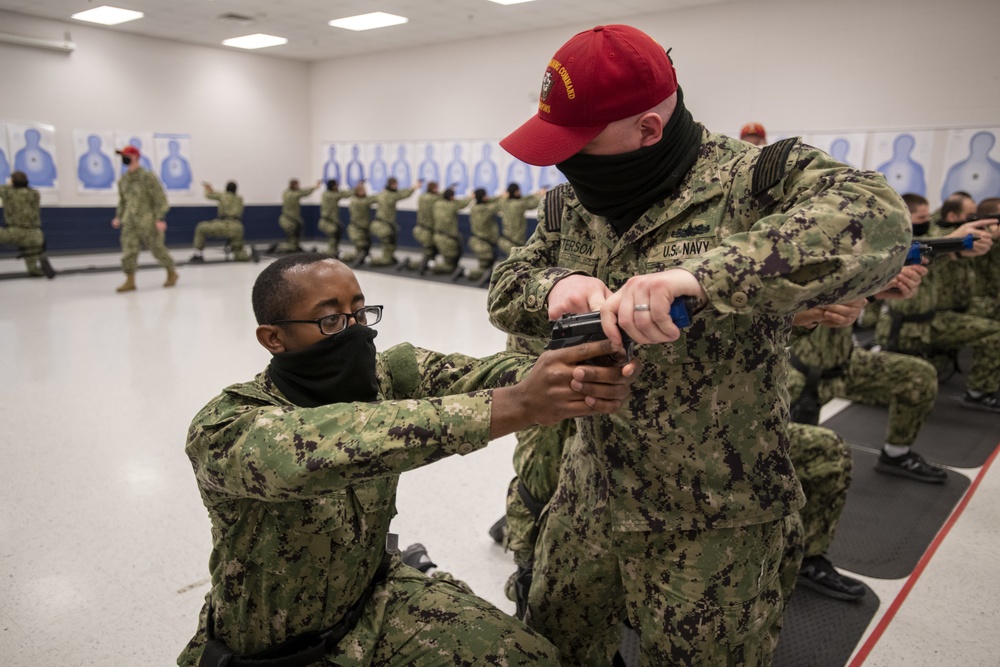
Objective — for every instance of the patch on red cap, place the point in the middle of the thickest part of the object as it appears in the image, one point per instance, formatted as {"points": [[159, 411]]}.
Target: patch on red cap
{"points": [[599, 76], [129, 150], [753, 128]]}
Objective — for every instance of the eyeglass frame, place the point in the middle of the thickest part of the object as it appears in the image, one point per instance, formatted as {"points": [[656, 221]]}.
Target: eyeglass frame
{"points": [[346, 316]]}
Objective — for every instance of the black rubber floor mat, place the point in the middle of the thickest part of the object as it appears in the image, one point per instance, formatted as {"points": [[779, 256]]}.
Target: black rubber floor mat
{"points": [[822, 632], [888, 522], [953, 435]]}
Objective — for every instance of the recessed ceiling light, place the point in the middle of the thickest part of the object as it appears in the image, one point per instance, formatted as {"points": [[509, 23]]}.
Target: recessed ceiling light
{"points": [[108, 15], [368, 21], [510, 2], [255, 41]]}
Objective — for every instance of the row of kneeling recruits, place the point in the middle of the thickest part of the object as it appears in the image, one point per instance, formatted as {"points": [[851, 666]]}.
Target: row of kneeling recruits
{"points": [[678, 495]]}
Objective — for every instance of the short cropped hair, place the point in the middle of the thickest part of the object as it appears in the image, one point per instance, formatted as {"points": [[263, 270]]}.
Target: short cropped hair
{"points": [[231, 187], [19, 179], [480, 195], [331, 184], [272, 292], [513, 189], [988, 208], [913, 200], [953, 204]]}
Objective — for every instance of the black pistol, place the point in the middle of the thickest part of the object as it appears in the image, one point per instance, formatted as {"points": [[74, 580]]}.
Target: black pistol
{"points": [[576, 329]]}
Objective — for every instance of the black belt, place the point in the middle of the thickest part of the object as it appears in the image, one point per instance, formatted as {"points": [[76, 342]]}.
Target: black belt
{"points": [[805, 409], [301, 650]]}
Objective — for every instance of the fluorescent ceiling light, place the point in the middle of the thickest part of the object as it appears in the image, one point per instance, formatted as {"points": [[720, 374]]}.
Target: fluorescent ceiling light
{"points": [[255, 41], [368, 21], [108, 15], [510, 2]]}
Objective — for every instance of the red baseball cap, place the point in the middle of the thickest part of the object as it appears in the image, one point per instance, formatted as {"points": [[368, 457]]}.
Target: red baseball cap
{"points": [[599, 76], [129, 150], [753, 128]]}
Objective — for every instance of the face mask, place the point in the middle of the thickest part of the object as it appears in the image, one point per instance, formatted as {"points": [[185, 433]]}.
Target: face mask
{"points": [[921, 228], [126, 160], [337, 369]]}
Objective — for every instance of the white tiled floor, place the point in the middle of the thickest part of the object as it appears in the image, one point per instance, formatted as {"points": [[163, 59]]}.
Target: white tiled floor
{"points": [[104, 541]]}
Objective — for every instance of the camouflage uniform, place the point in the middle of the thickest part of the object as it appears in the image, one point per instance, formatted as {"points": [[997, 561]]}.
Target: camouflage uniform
{"points": [[329, 218], [291, 217], [24, 224], [141, 202], [301, 499], [514, 223], [906, 384], [933, 331], [423, 232], [485, 234], [229, 224], [384, 226], [536, 462], [446, 236], [674, 509], [823, 465], [360, 210]]}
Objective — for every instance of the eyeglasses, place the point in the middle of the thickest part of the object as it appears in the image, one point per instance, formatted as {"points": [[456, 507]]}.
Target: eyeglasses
{"points": [[334, 324]]}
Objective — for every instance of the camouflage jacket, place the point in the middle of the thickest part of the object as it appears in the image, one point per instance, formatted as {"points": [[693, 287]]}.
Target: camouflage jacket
{"points": [[328, 204], [300, 499], [425, 209], [230, 205], [515, 226], [385, 203], [824, 348], [483, 220], [20, 207], [446, 216], [291, 202], [141, 199], [954, 276], [360, 210], [702, 441]]}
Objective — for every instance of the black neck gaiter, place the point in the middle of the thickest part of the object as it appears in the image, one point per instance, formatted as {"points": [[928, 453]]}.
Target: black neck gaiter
{"points": [[337, 369], [621, 187]]}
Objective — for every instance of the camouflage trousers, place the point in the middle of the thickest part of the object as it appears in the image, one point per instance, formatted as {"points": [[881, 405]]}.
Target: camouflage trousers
{"points": [[413, 619], [293, 231], [536, 462], [711, 597], [450, 248], [386, 232], [30, 241], [985, 306], [136, 236], [360, 237], [231, 230], [906, 384], [485, 253], [823, 465], [331, 228], [954, 331]]}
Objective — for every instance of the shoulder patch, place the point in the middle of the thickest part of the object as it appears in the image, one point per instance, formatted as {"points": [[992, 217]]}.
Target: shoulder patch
{"points": [[554, 199], [770, 167]]}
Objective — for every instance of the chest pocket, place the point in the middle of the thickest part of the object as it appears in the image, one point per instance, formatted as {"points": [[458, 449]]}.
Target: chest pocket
{"points": [[301, 535]]}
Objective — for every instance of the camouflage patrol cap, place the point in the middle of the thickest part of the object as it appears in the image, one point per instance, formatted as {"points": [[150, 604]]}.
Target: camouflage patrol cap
{"points": [[599, 76]]}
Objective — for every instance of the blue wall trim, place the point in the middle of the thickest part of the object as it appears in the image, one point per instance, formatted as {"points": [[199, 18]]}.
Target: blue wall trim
{"points": [[72, 229]]}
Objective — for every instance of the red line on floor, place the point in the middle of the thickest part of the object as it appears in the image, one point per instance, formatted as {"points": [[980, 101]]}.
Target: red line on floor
{"points": [[876, 634]]}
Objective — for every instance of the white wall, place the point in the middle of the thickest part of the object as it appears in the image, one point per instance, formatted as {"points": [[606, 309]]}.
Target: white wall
{"points": [[247, 114], [795, 65]]}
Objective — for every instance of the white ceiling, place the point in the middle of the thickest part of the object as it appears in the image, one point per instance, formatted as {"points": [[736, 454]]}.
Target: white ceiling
{"points": [[304, 22]]}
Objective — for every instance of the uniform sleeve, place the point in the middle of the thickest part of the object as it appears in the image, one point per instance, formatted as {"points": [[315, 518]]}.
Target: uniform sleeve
{"points": [[157, 197], [835, 235], [302, 194], [517, 301], [288, 453], [4, 191], [215, 196], [405, 193], [120, 210]]}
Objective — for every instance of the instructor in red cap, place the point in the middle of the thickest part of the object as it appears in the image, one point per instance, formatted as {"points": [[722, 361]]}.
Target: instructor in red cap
{"points": [[142, 205], [677, 513]]}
